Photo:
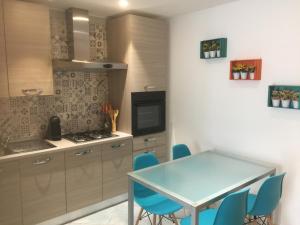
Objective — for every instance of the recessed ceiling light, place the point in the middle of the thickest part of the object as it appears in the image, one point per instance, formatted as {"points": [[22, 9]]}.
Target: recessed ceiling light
{"points": [[123, 3]]}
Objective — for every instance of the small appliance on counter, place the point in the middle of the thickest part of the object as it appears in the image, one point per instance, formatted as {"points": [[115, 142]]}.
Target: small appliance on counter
{"points": [[54, 129]]}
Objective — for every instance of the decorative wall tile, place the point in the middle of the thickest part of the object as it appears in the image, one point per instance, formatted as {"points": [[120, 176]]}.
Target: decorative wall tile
{"points": [[58, 35], [97, 39], [59, 41], [78, 95]]}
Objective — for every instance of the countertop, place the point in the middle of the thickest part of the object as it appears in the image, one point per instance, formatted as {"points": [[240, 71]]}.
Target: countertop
{"points": [[64, 145]]}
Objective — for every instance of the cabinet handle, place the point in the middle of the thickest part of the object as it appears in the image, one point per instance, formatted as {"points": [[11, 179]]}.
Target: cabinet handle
{"points": [[85, 152], [32, 92], [116, 146], [150, 139], [149, 87], [42, 162]]}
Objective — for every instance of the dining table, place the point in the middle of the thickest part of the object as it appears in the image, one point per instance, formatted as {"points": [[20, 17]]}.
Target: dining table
{"points": [[199, 180]]}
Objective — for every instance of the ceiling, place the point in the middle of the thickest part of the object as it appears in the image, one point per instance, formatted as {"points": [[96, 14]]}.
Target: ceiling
{"points": [[164, 8]]}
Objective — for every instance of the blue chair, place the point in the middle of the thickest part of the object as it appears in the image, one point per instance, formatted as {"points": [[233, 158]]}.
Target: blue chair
{"points": [[180, 150], [232, 211], [150, 201], [262, 205]]}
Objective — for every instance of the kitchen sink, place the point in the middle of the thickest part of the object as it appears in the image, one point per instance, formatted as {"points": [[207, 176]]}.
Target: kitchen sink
{"points": [[28, 146]]}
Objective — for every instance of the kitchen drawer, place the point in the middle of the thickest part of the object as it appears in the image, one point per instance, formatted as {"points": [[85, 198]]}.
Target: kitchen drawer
{"points": [[43, 188], [10, 194], [117, 162], [149, 141], [83, 178], [160, 152]]}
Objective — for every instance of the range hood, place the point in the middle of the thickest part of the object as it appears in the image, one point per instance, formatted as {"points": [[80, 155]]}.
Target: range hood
{"points": [[79, 46]]}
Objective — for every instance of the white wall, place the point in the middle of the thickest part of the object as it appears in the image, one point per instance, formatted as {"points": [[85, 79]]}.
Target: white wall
{"points": [[210, 111]]}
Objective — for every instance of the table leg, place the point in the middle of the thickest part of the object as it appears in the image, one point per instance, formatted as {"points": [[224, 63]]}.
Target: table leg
{"points": [[195, 216], [130, 202]]}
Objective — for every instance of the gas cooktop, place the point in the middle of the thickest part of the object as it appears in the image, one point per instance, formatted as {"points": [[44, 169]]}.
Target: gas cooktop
{"points": [[87, 136]]}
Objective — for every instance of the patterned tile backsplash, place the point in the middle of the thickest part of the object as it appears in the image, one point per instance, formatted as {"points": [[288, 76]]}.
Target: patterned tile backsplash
{"points": [[78, 95]]}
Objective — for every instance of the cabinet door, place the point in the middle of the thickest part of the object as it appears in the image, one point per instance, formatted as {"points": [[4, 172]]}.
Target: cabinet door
{"points": [[43, 188], [149, 56], [27, 32], [83, 178], [117, 162], [10, 196], [3, 69]]}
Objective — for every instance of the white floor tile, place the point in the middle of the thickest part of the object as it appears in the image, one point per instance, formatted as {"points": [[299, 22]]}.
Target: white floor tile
{"points": [[116, 215]]}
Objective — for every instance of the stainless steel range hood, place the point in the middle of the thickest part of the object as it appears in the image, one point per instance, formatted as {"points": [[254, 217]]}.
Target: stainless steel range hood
{"points": [[79, 46]]}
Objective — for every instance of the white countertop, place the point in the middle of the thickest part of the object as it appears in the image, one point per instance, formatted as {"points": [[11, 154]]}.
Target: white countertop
{"points": [[64, 145]]}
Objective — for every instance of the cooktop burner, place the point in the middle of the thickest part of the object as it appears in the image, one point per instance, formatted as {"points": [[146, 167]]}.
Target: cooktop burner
{"points": [[87, 136]]}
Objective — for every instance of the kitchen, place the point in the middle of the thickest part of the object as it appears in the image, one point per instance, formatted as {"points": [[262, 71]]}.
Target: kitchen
{"points": [[70, 99], [92, 93]]}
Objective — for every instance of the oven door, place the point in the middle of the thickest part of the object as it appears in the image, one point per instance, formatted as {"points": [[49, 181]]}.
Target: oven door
{"points": [[148, 113]]}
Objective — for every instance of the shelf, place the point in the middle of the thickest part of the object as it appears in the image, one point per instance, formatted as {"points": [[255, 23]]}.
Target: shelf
{"points": [[282, 88], [257, 63], [221, 42]]}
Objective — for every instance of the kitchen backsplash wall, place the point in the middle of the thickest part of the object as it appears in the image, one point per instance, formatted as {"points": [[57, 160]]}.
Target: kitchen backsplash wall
{"points": [[59, 37], [78, 95]]}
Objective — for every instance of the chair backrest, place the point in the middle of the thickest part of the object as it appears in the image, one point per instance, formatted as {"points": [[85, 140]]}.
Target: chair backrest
{"points": [[233, 209], [180, 150], [142, 161], [268, 196]]}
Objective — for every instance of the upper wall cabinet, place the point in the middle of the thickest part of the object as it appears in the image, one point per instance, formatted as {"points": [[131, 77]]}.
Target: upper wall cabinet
{"points": [[3, 69], [28, 49], [143, 45]]}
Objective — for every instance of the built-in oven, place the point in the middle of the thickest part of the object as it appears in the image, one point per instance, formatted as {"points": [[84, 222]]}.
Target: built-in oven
{"points": [[148, 112]]}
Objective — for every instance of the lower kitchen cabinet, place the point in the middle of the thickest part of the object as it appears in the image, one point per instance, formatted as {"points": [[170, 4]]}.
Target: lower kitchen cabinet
{"points": [[160, 152], [83, 177], [117, 162], [10, 197], [43, 187]]}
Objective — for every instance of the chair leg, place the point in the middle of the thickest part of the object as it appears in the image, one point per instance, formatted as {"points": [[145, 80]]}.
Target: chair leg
{"points": [[160, 220], [255, 221], [154, 219], [139, 218], [174, 218], [270, 220]]}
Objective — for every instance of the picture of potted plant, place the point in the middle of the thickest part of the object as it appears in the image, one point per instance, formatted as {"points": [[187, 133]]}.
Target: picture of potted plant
{"points": [[236, 72], [275, 98], [206, 49], [244, 72], [295, 99], [218, 50], [285, 97], [251, 70], [213, 49]]}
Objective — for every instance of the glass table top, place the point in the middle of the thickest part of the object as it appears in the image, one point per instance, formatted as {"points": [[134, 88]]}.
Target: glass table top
{"points": [[202, 177]]}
